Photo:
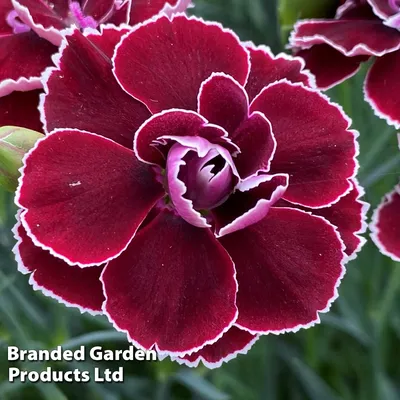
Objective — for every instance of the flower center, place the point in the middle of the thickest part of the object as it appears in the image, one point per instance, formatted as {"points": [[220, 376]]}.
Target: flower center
{"points": [[394, 5], [78, 18], [208, 179], [198, 180], [15, 23]]}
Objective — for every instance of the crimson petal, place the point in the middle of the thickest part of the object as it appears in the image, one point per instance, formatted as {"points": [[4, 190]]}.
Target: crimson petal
{"points": [[267, 68], [223, 101], [175, 123], [235, 341], [23, 57], [158, 54], [81, 91], [5, 8], [352, 37], [84, 196], [348, 215], [107, 38], [329, 66], [45, 18], [257, 145], [12, 105], [250, 203], [381, 82], [174, 287], [288, 268], [385, 226], [142, 10], [381, 8], [100, 10], [314, 145], [71, 285]]}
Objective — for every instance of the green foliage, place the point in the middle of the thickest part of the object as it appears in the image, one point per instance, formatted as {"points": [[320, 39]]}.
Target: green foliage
{"points": [[14, 143], [351, 355]]}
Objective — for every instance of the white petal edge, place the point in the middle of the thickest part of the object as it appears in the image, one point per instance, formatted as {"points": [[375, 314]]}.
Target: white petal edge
{"points": [[349, 121], [387, 199], [326, 309]]}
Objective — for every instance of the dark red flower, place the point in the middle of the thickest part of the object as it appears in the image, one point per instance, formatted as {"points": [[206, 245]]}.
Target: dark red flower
{"points": [[31, 30], [385, 225], [334, 48], [208, 176]]}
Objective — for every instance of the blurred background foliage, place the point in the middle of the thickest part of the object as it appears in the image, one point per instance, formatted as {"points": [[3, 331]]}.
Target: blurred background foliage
{"points": [[351, 355]]}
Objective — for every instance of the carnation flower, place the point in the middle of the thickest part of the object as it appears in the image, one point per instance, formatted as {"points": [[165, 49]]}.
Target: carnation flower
{"points": [[194, 189], [32, 30], [385, 227], [334, 49]]}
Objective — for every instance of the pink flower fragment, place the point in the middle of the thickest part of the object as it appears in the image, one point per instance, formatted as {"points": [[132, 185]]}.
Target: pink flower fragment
{"points": [[210, 179], [385, 231], [334, 49]]}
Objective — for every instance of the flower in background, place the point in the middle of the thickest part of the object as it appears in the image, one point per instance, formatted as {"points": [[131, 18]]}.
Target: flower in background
{"points": [[334, 49], [385, 225], [194, 189], [32, 30]]}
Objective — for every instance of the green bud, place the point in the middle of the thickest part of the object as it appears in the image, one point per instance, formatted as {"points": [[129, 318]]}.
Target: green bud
{"points": [[15, 142]]}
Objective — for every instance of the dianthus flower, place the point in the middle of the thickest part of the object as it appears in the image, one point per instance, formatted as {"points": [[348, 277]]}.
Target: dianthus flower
{"points": [[194, 189], [385, 225], [32, 30], [335, 48]]}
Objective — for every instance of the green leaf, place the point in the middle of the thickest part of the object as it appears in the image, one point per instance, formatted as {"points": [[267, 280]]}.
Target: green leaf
{"points": [[15, 142], [312, 384], [199, 385]]}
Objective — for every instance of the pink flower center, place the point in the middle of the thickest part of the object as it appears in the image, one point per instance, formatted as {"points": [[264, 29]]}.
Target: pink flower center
{"points": [[197, 180], [208, 179], [15, 23], [395, 5], [79, 19]]}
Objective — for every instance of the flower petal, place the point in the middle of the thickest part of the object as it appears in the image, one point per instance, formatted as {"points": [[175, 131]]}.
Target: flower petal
{"points": [[142, 10], [175, 123], [191, 185], [349, 215], [234, 342], [71, 285], [85, 196], [120, 14], [314, 145], [5, 9], [177, 188], [289, 266], [11, 106], [266, 68], [178, 55], [100, 10], [107, 37], [174, 287], [381, 82], [223, 101], [382, 8], [352, 37], [330, 66], [23, 57], [81, 91], [45, 18], [385, 226], [257, 145], [250, 203]]}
